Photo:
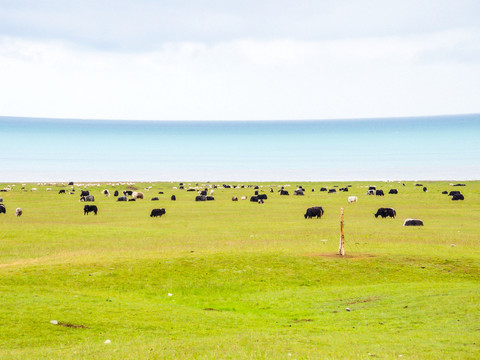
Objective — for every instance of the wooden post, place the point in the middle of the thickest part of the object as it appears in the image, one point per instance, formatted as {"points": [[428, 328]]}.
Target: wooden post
{"points": [[341, 250]]}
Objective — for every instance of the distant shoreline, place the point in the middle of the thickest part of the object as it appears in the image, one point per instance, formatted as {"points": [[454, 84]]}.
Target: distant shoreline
{"points": [[143, 121], [220, 182]]}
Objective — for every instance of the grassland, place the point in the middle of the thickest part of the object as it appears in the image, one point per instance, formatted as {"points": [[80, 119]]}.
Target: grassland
{"points": [[239, 280]]}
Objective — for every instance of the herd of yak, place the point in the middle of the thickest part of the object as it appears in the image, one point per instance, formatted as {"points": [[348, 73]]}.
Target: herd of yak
{"points": [[310, 213]]}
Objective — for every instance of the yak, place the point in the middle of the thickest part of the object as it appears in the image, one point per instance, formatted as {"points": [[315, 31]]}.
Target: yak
{"points": [[316, 211], [385, 212], [413, 222], [157, 212], [90, 208]]}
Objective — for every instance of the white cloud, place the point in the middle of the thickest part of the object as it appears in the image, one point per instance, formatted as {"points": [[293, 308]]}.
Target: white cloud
{"points": [[244, 79], [144, 24]]}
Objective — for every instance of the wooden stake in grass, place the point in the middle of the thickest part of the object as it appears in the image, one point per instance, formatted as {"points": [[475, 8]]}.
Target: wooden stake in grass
{"points": [[341, 250]]}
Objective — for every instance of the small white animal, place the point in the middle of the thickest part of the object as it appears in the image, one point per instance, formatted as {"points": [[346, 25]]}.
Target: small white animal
{"points": [[352, 199]]}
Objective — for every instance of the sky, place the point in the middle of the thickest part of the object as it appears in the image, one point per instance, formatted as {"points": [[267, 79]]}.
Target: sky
{"points": [[239, 60]]}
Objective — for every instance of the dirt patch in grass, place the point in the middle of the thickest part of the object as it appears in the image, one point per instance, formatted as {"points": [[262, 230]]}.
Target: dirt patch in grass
{"points": [[337, 256], [303, 320], [20, 263], [72, 325], [361, 301]]}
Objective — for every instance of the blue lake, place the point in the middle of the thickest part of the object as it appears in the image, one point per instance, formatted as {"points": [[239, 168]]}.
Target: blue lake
{"points": [[424, 148]]}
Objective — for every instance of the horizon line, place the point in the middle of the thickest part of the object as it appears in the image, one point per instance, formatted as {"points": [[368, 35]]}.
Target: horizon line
{"points": [[233, 181], [3, 117]]}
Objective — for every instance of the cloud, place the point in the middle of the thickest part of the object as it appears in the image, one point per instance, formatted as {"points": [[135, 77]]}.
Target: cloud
{"points": [[244, 79], [144, 25]]}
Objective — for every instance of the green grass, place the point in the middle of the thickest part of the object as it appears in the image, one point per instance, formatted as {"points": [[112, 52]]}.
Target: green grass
{"points": [[247, 281]]}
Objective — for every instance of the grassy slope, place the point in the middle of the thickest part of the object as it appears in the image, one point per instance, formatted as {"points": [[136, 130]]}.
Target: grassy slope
{"points": [[247, 280]]}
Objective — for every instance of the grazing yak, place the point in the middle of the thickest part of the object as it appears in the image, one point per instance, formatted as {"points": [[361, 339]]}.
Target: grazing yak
{"points": [[413, 222], [370, 192], [444, 192], [157, 212], [284, 192], [379, 193], [88, 198], [62, 191], [352, 199], [316, 211], [386, 212], [84, 193], [201, 198], [18, 212], [137, 195], [106, 192], [258, 198], [331, 191], [323, 189], [210, 198], [458, 197], [89, 208], [115, 193], [453, 193], [3, 210], [234, 198], [298, 192], [127, 193], [393, 191], [122, 198], [155, 199], [131, 199], [1, 199], [173, 198], [424, 189]]}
